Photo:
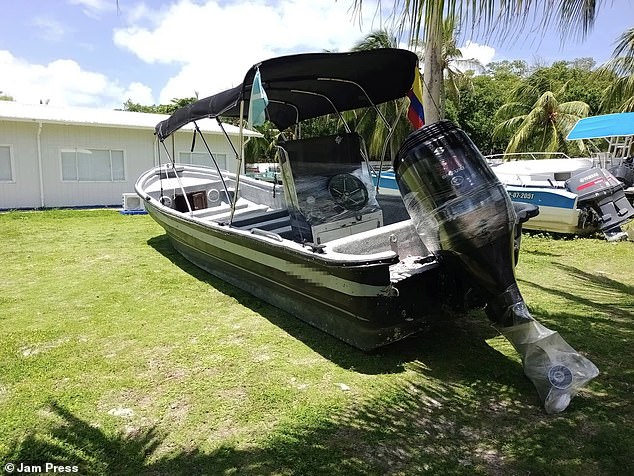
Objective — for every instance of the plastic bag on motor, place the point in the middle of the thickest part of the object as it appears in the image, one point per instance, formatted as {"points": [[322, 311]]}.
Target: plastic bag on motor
{"points": [[556, 369]]}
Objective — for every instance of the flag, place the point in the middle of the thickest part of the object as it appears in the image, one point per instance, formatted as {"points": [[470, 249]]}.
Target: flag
{"points": [[257, 102], [415, 113]]}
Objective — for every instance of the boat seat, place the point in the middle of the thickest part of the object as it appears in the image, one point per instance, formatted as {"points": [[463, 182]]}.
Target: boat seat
{"points": [[277, 221], [220, 209], [242, 212], [262, 219]]}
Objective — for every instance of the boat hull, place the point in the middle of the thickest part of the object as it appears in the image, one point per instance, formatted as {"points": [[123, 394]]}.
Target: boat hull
{"points": [[355, 302], [558, 210]]}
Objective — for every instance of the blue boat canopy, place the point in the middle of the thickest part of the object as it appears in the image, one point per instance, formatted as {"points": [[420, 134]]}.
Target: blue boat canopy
{"points": [[608, 125]]}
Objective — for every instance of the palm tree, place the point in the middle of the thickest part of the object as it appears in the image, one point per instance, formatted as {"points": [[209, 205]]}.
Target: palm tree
{"points": [[620, 94], [368, 122], [537, 122], [454, 66], [423, 20]]}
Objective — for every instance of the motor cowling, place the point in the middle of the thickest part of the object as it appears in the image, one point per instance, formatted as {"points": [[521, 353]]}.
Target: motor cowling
{"points": [[461, 210], [464, 215]]}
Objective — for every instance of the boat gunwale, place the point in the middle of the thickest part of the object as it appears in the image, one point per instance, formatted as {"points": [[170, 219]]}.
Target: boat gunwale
{"points": [[329, 257]]}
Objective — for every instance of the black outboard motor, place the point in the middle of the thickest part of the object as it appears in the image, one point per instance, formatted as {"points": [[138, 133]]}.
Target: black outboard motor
{"points": [[465, 217], [603, 194]]}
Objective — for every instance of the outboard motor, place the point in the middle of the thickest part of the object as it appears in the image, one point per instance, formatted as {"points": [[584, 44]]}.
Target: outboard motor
{"points": [[603, 195], [465, 217]]}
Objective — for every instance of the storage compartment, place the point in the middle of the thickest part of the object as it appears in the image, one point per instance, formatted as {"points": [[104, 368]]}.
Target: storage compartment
{"points": [[197, 201], [346, 227]]}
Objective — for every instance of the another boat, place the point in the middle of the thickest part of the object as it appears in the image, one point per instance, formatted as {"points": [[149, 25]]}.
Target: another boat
{"points": [[326, 248], [385, 182], [573, 196], [577, 195]]}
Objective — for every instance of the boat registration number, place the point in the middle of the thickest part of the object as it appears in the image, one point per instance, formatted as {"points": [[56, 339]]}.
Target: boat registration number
{"points": [[522, 195]]}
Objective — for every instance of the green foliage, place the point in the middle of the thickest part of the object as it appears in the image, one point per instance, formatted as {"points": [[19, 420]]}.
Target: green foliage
{"points": [[515, 89], [370, 123], [506, 68], [537, 120], [174, 104], [262, 149], [320, 126], [619, 95], [477, 108]]}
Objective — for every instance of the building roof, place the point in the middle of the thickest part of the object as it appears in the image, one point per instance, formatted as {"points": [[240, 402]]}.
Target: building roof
{"points": [[83, 116]]}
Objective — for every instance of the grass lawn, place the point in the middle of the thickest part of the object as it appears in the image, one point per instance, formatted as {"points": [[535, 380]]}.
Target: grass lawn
{"points": [[118, 356]]}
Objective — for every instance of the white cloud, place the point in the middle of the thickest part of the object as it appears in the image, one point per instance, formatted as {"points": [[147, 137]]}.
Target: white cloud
{"points": [[49, 29], [483, 53], [64, 83], [95, 8], [216, 42], [139, 93]]}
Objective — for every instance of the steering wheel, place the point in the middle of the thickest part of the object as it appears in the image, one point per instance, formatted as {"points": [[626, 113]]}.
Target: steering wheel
{"points": [[348, 191]]}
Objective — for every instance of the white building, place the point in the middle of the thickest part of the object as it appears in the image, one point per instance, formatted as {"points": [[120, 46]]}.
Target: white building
{"points": [[79, 157]]}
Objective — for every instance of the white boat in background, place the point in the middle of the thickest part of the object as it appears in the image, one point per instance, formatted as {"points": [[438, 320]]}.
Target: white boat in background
{"points": [[579, 195]]}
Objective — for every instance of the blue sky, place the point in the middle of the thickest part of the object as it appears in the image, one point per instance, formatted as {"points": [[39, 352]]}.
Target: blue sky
{"points": [[86, 53]]}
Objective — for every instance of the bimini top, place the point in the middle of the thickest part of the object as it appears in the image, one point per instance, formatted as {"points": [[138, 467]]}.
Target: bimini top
{"points": [[608, 125], [309, 85]]}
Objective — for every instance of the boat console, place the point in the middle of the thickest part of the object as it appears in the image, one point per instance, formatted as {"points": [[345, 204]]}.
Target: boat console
{"points": [[328, 188]]}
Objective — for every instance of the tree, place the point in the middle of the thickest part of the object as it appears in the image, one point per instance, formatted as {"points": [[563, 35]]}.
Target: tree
{"points": [[423, 20], [516, 68], [370, 124], [581, 82], [262, 149], [454, 66], [5, 97], [537, 121], [174, 104], [619, 95], [367, 121], [476, 111]]}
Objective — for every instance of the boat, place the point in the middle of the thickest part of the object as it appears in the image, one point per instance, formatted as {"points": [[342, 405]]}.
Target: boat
{"points": [[385, 182], [581, 195], [367, 268]]}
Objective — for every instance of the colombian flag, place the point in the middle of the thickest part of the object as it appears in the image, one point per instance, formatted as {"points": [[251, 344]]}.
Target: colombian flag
{"points": [[415, 113]]}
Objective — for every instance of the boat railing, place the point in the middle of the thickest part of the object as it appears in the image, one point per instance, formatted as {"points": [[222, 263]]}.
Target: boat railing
{"points": [[495, 159]]}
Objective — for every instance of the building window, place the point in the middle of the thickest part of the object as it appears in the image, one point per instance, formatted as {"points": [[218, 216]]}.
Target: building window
{"points": [[202, 158], [92, 165], [6, 164]]}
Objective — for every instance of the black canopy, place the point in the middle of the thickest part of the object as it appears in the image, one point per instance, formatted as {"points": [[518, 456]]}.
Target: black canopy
{"points": [[309, 85]]}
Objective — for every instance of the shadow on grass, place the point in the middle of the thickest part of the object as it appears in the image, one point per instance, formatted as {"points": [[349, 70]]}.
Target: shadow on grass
{"points": [[460, 407], [389, 359], [598, 320], [449, 422], [606, 297]]}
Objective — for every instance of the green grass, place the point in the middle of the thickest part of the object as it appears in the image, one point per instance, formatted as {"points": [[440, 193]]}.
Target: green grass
{"points": [[120, 357]]}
